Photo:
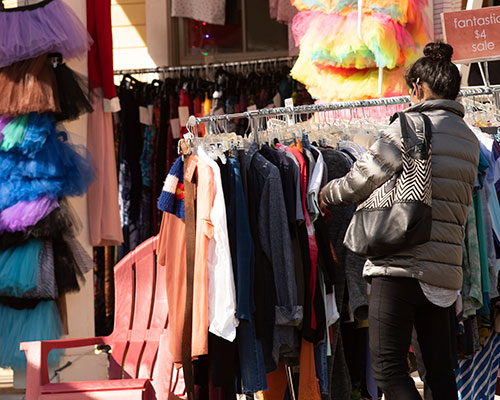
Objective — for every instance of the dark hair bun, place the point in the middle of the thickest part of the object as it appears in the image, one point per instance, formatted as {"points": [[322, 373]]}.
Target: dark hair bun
{"points": [[438, 51]]}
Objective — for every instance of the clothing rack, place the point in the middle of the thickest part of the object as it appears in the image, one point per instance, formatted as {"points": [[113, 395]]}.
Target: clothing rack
{"points": [[307, 109], [186, 68]]}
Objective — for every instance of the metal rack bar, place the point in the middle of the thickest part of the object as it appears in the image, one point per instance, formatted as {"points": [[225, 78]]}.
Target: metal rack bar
{"points": [[384, 101], [159, 70]]}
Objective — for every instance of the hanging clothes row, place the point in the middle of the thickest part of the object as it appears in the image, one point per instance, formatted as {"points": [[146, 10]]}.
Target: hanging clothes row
{"points": [[276, 297], [153, 117], [266, 262]]}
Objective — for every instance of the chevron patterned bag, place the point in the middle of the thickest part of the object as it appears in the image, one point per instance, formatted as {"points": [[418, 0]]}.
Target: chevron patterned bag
{"points": [[398, 214]]}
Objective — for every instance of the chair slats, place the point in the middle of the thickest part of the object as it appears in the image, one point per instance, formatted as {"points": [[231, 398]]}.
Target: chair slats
{"points": [[157, 327], [124, 301], [144, 288]]}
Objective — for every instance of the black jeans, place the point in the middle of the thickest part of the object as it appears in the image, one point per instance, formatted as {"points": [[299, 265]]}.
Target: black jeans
{"points": [[396, 306]]}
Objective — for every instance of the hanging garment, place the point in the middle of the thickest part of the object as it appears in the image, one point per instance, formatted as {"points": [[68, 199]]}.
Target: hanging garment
{"points": [[270, 225], [34, 133], [72, 91], [43, 84], [39, 323], [61, 220], [240, 238], [341, 46], [130, 181], [24, 214], [471, 287], [336, 62], [282, 10], [49, 26], [205, 194], [71, 261], [57, 170], [172, 253], [104, 212], [212, 11], [221, 286], [477, 378], [46, 287], [146, 228], [251, 357], [100, 59], [19, 269], [27, 86], [310, 325]]}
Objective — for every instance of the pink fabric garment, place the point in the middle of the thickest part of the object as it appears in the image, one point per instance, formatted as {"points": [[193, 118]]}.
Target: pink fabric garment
{"points": [[286, 11], [102, 199], [210, 11], [282, 10], [273, 9]]}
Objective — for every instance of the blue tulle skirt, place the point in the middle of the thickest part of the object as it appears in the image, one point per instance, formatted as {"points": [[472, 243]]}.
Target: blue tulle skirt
{"points": [[53, 168], [40, 323], [39, 127], [19, 268]]}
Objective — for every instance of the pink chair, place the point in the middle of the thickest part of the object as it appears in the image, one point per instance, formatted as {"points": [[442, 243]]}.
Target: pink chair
{"points": [[140, 363]]}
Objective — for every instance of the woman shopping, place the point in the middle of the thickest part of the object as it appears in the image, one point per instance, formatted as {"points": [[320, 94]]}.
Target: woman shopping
{"points": [[415, 285]]}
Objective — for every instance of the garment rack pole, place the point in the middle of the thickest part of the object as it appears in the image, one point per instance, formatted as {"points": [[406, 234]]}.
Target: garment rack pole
{"points": [[159, 70], [384, 101]]}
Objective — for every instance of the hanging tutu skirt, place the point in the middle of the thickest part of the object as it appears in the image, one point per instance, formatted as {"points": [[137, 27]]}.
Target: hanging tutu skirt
{"points": [[24, 214], [69, 259], [73, 92], [50, 26], [80, 255], [68, 274], [59, 169], [402, 11], [383, 42], [39, 127], [40, 323], [341, 84], [44, 84], [28, 86], [60, 221], [27, 132], [19, 269], [46, 287]]}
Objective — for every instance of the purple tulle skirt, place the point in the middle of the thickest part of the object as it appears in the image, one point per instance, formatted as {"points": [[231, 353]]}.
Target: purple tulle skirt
{"points": [[24, 214], [48, 27]]}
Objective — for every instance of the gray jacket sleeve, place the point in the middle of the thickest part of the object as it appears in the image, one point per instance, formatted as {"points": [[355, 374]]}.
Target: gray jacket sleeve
{"points": [[374, 168]]}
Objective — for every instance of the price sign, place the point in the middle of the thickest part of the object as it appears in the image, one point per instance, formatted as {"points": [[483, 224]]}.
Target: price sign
{"points": [[474, 34]]}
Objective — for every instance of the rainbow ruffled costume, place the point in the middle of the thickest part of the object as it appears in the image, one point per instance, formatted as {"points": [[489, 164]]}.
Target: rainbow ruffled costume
{"points": [[343, 49]]}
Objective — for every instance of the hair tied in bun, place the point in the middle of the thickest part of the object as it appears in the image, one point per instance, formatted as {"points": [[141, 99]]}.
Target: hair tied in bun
{"points": [[438, 51]]}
